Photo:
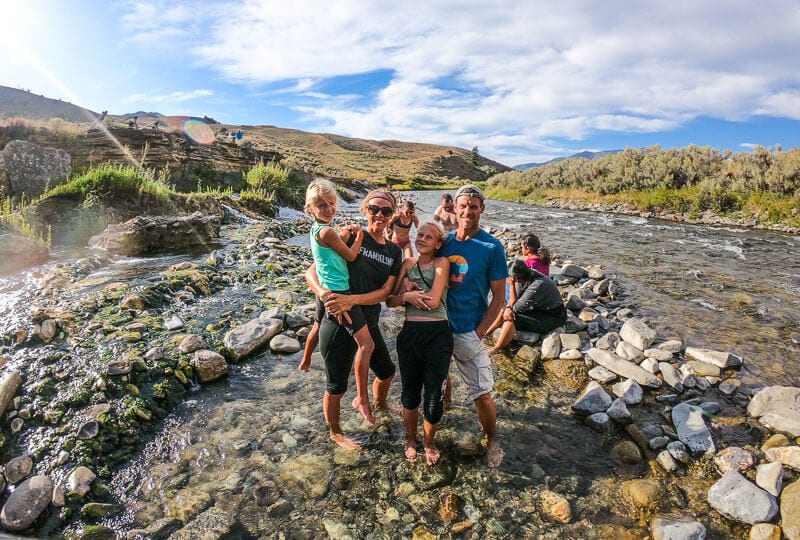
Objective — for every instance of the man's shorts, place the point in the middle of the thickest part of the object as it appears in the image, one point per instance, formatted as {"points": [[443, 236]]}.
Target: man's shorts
{"points": [[473, 364]]}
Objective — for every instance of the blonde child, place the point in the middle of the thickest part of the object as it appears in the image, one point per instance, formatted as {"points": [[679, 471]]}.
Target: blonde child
{"points": [[331, 255], [425, 343]]}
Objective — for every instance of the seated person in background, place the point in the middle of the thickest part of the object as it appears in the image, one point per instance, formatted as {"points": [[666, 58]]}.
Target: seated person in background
{"points": [[537, 257], [535, 305]]}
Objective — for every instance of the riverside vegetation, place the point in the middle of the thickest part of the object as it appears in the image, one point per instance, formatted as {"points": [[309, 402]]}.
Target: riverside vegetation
{"points": [[758, 189]]}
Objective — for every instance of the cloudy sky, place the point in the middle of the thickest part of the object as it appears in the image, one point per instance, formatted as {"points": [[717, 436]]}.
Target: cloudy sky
{"points": [[525, 81]]}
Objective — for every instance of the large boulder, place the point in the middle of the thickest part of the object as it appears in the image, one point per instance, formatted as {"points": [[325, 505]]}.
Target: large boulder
{"points": [[18, 252], [143, 235], [26, 503], [31, 169]]}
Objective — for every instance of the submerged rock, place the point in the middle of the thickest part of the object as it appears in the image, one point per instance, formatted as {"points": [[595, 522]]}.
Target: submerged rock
{"points": [[669, 528], [26, 503], [690, 424], [736, 497]]}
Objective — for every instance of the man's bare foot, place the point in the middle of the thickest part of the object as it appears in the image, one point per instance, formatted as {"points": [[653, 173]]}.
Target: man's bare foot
{"points": [[411, 449], [432, 454], [305, 364], [364, 408], [494, 454]]}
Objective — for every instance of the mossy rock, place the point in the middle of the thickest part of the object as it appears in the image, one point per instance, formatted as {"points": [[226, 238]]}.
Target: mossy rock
{"points": [[572, 373]]}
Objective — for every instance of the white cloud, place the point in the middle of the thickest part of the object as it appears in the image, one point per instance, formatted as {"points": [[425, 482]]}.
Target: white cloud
{"points": [[172, 97], [505, 75]]}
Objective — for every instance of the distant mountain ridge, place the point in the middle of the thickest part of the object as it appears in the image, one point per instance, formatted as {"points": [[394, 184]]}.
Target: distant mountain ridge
{"points": [[15, 102], [585, 155]]}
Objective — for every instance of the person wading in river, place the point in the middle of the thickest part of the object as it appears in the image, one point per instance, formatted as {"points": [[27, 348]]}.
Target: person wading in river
{"points": [[373, 274]]}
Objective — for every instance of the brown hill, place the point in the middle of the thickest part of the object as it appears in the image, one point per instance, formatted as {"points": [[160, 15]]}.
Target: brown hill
{"points": [[162, 142]]}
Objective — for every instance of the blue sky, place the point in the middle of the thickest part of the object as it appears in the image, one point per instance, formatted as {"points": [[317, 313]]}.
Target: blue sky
{"points": [[525, 81]]}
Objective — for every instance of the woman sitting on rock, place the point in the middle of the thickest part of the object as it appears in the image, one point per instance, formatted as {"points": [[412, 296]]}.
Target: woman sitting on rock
{"points": [[535, 305]]}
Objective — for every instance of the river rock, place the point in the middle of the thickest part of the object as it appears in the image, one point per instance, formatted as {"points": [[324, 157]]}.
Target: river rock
{"points": [[187, 503], [31, 169], [769, 477], [618, 411], [691, 428], [733, 458], [47, 330], [307, 473], [191, 343], [79, 481], [154, 354], [9, 385], [284, 344], [765, 531], [659, 355], [641, 492], [244, 339], [776, 440], [215, 522], [637, 333], [790, 511], [608, 341], [629, 390], [599, 422], [622, 367], [573, 271], [721, 359], [209, 365], [602, 375], [670, 528], [628, 352], [593, 399], [570, 341], [788, 455], [703, 369], [777, 407], [18, 468], [665, 459], [671, 376], [151, 234], [735, 496], [174, 323], [729, 386], [672, 345], [627, 452], [26, 503], [556, 506], [551, 346], [679, 452]]}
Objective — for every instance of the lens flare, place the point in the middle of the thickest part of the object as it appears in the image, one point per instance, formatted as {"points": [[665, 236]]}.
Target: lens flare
{"points": [[199, 132]]}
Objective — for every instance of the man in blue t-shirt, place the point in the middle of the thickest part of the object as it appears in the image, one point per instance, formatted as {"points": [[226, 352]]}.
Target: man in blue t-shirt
{"points": [[477, 266]]}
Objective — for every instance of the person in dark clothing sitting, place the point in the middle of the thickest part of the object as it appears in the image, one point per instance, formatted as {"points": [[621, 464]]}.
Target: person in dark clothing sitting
{"points": [[534, 305]]}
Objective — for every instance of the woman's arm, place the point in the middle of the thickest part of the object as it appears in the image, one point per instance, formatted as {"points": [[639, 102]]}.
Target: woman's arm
{"points": [[339, 303], [396, 298]]}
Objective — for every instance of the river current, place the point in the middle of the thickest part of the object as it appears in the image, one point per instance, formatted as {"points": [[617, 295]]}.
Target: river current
{"points": [[727, 289]]}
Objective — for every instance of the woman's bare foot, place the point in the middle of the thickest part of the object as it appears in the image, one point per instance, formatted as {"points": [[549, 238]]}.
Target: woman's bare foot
{"points": [[432, 454], [341, 439], [411, 449], [365, 410]]}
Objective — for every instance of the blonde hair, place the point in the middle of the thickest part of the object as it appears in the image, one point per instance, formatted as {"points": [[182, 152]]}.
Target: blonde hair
{"points": [[437, 226], [377, 194], [318, 189]]}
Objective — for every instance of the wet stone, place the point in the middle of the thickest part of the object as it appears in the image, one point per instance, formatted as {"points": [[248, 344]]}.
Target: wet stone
{"points": [[89, 430], [637, 333], [765, 531], [618, 411], [670, 528], [79, 481], [736, 497], [629, 390], [18, 468], [679, 452], [154, 353], [555, 506], [174, 323], [641, 492], [769, 477], [26, 503], [602, 375], [284, 344], [733, 458], [664, 458], [593, 399], [191, 343], [627, 452]]}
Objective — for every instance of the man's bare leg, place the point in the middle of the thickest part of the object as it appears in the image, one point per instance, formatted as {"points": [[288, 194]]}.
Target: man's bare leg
{"points": [[487, 416]]}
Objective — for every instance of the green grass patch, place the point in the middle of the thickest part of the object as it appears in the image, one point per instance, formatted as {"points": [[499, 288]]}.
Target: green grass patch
{"points": [[111, 179]]}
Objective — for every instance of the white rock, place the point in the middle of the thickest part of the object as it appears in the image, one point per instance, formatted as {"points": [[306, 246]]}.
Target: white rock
{"points": [[602, 375], [284, 344], [649, 364], [570, 354], [637, 333], [551, 346], [593, 399], [769, 477], [671, 376], [690, 425], [628, 352], [570, 341], [735, 496], [664, 458], [248, 337], [670, 528], [660, 355], [788, 455], [777, 407], [619, 412], [629, 390], [671, 345], [173, 323], [599, 422], [622, 367], [79, 481], [718, 358]]}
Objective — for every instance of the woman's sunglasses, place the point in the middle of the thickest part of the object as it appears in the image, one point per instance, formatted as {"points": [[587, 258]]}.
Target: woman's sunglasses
{"points": [[374, 210]]}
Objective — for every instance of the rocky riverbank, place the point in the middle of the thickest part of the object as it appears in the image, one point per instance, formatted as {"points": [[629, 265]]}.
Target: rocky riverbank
{"points": [[101, 359]]}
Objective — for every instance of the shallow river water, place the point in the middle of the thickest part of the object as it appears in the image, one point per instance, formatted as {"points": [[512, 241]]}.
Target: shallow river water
{"points": [[250, 455]]}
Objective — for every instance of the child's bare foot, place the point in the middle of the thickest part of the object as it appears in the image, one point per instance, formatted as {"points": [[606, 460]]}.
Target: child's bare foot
{"points": [[411, 449], [305, 364], [345, 442], [432, 454], [341, 439], [365, 410]]}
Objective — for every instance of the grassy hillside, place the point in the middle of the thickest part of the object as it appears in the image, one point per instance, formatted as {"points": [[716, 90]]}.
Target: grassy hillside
{"points": [[315, 154]]}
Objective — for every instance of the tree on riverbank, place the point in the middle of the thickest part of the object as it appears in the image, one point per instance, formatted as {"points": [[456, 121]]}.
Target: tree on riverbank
{"points": [[687, 180]]}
